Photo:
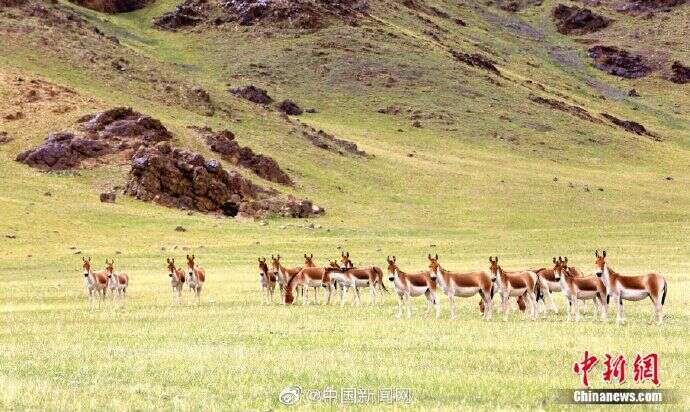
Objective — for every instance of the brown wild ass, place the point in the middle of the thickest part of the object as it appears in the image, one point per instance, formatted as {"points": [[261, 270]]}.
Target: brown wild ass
{"points": [[283, 274], [176, 280], [579, 288], [519, 283], [363, 277], [463, 285], [117, 282], [550, 281], [196, 276], [309, 277], [95, 282], [267, 281], [412, 285], [619, 287]]}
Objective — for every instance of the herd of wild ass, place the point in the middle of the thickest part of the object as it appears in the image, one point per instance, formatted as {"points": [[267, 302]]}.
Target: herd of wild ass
{"points": [[532, 289]]}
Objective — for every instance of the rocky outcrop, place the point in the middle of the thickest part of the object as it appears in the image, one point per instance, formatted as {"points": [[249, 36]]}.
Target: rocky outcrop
{"points": [[187, 14], [574, 20], [619, 62], [176, 178], [224, 143], [475, 60], [119, 130], [564, 107], [4, 138], [303, 14], [112, 6], [640, 7], [289, 107], [253, 94], [681, 74], [326, 141], [631, 126]]}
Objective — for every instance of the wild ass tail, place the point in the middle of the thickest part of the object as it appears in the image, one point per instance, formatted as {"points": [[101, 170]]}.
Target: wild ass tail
{"points": [[379, 277], [663, 296]]}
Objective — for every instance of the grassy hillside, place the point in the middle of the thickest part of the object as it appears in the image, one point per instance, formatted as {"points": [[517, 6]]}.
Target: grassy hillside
{"points": [[489, 172]]}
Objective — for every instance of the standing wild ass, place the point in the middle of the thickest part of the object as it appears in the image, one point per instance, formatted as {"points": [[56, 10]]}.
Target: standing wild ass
{"points": [[283, 274], [362, 277], [413, 285], [196, 276], [619, 287], [519, 283], [463, 285], [577, 288], [95, 282], [176, 279], [117, 282], [267, 281]]}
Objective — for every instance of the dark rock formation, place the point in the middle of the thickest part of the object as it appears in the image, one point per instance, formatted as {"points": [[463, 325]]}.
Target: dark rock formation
{"points": [[289, 107], [304, 14], [574, 20], [253, 94], [112, 6], [186, 180], [619, 62], [108, 197], [189, 13], [224, 143], [475, 60], [681, 74], [639, 7], [4, 138], [564, 107], [118, 130], [630, 126], [327, 141]]}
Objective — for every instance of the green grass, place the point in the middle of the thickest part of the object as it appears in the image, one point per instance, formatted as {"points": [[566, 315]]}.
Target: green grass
{"points": [[478, 187]]}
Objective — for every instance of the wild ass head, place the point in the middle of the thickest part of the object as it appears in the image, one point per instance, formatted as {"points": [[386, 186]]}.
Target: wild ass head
{"points": [[309, 261], [392, 268], [86, 265], [494, 268], [190, 265], [600, 263], [345, 262], [434, 266]]}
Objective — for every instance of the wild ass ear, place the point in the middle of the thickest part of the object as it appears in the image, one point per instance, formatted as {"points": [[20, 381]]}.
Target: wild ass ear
{"points": [[436, 256], [429, 256], [89, 259], [596, 253], [347, 254], [305, 255], [278, 257], [394, 259], [311, 256], [565, 259], [603, 253], [554, 259]]}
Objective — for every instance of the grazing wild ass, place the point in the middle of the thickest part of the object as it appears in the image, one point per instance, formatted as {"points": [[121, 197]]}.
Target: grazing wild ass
{"points": [[176, 279], [117, 282], [95, 282], [463, 285], [577, 288], [413, 285], [619, 287], [267, 280], [283, 274], [520, 283], [309, 277], [196, 276], [363, 277]]}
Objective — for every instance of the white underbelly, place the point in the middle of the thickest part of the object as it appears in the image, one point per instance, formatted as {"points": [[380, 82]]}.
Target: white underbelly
{"points": [[362, 283], [554, 286], [517, 292], [633, 294], [418, 290], [465, 292], [586, 294], [313, 283]]}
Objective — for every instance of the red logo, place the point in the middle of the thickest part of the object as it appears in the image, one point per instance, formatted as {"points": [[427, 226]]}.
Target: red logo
{"points": [[645, 368]]}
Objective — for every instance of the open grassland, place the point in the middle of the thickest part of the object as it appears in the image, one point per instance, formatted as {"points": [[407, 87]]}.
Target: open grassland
{"points": [[507, 178]]}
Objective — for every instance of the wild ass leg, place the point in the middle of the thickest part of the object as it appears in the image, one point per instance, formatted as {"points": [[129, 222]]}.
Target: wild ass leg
{"points": [[372, 293], [451, 303], [400, 306], [408, 304], [619, 308]]}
